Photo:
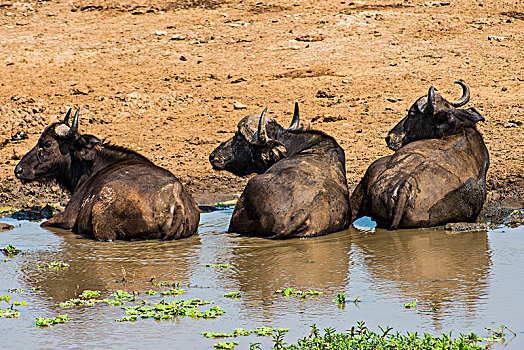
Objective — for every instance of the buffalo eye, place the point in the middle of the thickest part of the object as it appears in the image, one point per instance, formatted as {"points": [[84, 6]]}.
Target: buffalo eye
{"points": [[46, 144]]}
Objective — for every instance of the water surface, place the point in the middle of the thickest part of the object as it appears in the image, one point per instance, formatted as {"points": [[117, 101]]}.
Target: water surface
{"points": [[462, 282]]}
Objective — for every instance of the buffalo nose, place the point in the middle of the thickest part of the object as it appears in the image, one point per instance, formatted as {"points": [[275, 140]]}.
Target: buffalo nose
{"points": [[388, 139], [18, 171], [212, 157]]}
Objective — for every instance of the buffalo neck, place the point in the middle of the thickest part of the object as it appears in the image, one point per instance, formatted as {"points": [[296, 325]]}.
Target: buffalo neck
{"points": [[312, 143], [100, 157], [307, 142]]}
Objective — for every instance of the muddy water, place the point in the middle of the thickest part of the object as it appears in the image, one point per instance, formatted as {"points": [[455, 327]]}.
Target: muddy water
{"points": [[463, 282]]}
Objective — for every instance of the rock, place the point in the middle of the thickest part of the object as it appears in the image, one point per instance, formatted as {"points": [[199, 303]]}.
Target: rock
{"points": [[160, 33], [239, 105], [178, 37], [5, 227], [310, 38], [34, 213], [495, 38], [515, 218], [465, 226]]}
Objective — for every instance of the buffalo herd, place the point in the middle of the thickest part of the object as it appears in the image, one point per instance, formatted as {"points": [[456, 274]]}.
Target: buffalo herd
{"points": [[437, 175]]}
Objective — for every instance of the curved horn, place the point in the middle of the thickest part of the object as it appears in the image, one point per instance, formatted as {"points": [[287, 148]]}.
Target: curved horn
{"points": [[262, 136], [465, 94], [295, 123], [66, 118], [74, 124], [429, 108]]}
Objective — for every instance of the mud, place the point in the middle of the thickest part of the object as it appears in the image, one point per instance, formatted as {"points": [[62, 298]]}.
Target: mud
{"points": [[163, 77]]}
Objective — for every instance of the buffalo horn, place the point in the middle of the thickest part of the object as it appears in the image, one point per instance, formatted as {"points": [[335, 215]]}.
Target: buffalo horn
{"points": [[262, 136], [429, 108], [66, 119], [74, 124], [295, 123], [465, 95]]}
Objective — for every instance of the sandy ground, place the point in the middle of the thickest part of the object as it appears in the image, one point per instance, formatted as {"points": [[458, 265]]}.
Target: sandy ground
{"points": [[162, 78]]}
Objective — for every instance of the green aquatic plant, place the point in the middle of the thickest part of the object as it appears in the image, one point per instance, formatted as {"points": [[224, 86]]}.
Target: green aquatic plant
{"points": [[164, 283], [10, 250], [216, 335], [266, 331], [232, 295], [6, 298], [54, 265], [89, 294], [226, 345], [173, 291], [360, 337], [151, 292], [46, 322], [123, 296], [341, 298], [168, 310], [216, 266], [16, 290], [20, 303], [412, 305], [9, 313], [297, 293]]}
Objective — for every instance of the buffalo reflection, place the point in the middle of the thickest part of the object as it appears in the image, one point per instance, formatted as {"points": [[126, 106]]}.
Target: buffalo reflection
{"points": [[445, 271], [263, 266], [109, 265]]}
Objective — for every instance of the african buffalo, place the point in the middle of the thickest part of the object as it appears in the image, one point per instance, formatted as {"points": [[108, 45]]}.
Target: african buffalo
{"points": [[437, 174], [116, 193], [301, 190]]}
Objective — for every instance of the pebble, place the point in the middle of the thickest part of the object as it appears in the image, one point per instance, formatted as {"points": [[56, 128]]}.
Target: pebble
{"points": [[239, 105]]}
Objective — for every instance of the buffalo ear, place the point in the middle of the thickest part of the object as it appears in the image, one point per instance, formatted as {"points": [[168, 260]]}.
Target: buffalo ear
{"points": [[84, 143], [273, 152], [474, 115]]}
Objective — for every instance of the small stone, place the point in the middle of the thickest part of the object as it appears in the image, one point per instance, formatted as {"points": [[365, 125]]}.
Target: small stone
{"points": [[5, 227], [239, 105], [160, 33], [495, 38], [182, 58]]}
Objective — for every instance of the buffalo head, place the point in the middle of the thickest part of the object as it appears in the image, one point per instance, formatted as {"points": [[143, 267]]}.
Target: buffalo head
{"points": [[254, 147], [432, 117], [53, 153]]}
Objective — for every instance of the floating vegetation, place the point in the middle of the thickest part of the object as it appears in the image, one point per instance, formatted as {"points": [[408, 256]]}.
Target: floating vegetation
{"points": [[297, 293], [341, 298], [173, 291], [218, 266], [87, 299], [412, 305], [6, 298], [151, 292], [16, 290], [20, 303], [260, 331], [360, 337], [10, 250], [123, 296], [9, 313], [167, 284], [46, 322], [54, 265], [226, 345], [233, 295], [168, 310], [88, 294]]}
